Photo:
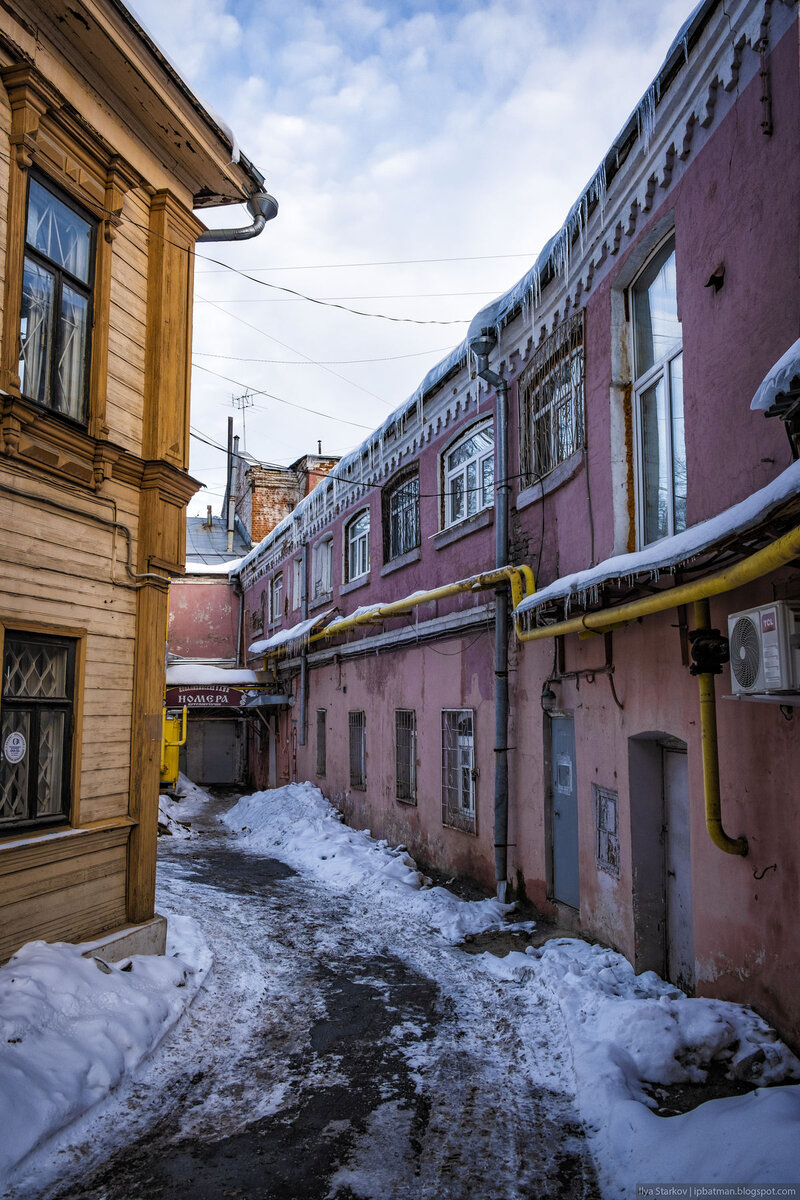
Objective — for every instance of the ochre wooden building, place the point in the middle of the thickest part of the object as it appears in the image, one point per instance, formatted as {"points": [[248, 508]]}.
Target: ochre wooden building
{"points": [[105, 155]]}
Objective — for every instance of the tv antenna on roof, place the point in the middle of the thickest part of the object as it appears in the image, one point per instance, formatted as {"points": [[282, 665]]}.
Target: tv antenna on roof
{"points": [[242, 403]]}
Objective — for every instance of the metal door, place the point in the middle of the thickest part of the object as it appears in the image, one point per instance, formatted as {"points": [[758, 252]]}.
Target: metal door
{"points": [[678, 862], [564, 823]]}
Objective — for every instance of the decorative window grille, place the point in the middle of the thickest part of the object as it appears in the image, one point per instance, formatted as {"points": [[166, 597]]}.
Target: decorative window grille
{"points": [[551, 392], [276, 598], [358, 750], [468, 468], [297, 583], [401, 518], [56, 316], [458, 769], [322, 747], [405, 744], [36, 729], [357, 546], [322, 569], [606, 805], [658, 400]]}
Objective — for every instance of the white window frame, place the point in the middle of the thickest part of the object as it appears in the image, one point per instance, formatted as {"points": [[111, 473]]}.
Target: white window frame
{"points": [[551, 402], [322, 568], [482, 489], [276, 598], [356, 547], [459, 773], [297, 583], [662, 371]]}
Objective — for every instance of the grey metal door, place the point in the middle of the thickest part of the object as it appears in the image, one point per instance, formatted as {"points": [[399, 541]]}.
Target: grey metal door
{"points": [[678, 862], [564, 823]]}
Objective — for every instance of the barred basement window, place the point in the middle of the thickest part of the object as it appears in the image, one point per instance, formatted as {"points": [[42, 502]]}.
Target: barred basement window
{"points": [[322, 747], [458, 769], [36, 729], [607, 831], [405, 751], [358, 750], [551, 416]]}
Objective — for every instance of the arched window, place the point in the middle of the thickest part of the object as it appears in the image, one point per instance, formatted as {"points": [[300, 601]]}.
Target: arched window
{"points": [[468, 474], [356, 546]]}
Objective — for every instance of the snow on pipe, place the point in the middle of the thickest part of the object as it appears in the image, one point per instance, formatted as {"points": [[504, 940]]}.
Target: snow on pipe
{"points": [[261, 206]]}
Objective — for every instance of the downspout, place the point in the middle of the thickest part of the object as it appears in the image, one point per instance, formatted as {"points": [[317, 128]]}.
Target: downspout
{"points": [[304, 655], [481, 347], [262, 208]]}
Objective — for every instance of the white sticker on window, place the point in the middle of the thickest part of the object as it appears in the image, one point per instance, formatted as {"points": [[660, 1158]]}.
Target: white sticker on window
{"points": [[15, 747]]}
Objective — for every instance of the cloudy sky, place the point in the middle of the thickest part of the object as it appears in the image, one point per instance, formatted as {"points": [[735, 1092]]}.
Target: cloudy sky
{"points": [[422, 152]]}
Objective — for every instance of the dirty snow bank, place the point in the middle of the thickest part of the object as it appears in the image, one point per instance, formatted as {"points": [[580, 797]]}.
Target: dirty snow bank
{"points": [[298, 825], [70, 1028], [627, 1030]]}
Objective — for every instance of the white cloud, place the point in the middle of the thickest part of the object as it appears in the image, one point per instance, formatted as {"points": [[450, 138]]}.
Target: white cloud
{"points": [[393, 131]]}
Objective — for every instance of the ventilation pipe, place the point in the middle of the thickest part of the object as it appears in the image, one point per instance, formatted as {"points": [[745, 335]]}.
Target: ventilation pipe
{"points": [[481, 347], [261, 206]]}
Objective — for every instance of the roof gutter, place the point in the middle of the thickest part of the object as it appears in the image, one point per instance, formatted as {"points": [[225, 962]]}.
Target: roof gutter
{"points": [[262, 208]]}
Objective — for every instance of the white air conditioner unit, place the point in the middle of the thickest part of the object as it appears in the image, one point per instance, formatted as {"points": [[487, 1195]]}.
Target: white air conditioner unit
{"points": [[765, 650]]}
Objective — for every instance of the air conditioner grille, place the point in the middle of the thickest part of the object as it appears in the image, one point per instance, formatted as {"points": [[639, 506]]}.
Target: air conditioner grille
{"points": [[745, 652]]}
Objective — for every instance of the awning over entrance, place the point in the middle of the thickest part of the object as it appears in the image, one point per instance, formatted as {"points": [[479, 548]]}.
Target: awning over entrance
{"points": [[729, 536], [293, 638], [197, 686]]}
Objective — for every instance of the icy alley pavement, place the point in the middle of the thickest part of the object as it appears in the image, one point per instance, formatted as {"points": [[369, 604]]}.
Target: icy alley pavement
{"points": [[342, 1046]]}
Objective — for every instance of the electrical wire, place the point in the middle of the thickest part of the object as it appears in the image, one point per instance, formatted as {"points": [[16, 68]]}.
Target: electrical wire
{"points": [[328, 299], [292, 362], [289, 403], [397, 262]]}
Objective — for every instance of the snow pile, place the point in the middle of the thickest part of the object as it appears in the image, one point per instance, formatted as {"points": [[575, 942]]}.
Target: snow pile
{"points": [[171, 822], [71, 1027], [298, 825], [627, 1031]]}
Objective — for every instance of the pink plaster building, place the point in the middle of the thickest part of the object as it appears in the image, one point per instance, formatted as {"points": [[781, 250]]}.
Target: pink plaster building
{"points": [[585, 743]]}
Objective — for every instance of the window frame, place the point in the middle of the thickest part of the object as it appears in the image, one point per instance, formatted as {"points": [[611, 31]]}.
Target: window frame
{"points": [[357, 548], [276, 598], [324, 546], [660, 371], [552, 424], [34, 706], [395, 529], [62, 277], [297, 584], [449, 475], [405, 755], [459, 816], [357, 749]]}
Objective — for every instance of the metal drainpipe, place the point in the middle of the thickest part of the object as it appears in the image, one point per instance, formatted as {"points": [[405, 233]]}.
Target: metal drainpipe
{"points": [[304, 655], [262, 208], [480, 347]]}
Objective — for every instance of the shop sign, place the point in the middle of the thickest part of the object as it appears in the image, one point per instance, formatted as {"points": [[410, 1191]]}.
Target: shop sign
{"points": [[205, 695]]}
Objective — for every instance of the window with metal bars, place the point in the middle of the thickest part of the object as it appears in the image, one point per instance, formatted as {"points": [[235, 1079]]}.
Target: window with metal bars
{"points": [[358, 750], [401, 517], [36, 729], [56, 312], [458, 769], [322, 734], [551, 419], [405, 751]]}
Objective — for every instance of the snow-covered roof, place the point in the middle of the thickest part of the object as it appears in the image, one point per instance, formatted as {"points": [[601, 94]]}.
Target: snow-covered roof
{"points": [[780, 379], [196, 673], [285, 637], [668, 552]]}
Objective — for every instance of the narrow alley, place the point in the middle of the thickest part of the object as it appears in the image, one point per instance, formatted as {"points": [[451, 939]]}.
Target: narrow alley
{"points": [[333, 1052]]}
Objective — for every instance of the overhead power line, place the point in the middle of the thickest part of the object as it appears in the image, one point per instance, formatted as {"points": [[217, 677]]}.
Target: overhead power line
{"points": [[395, 262]]}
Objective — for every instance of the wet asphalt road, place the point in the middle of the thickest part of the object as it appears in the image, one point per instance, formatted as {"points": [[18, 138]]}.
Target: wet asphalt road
{"points": [[327, 1056]]}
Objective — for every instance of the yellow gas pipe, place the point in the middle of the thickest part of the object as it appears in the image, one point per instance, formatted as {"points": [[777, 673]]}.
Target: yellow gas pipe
{"points": [[782, 551], [708, 742]]}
